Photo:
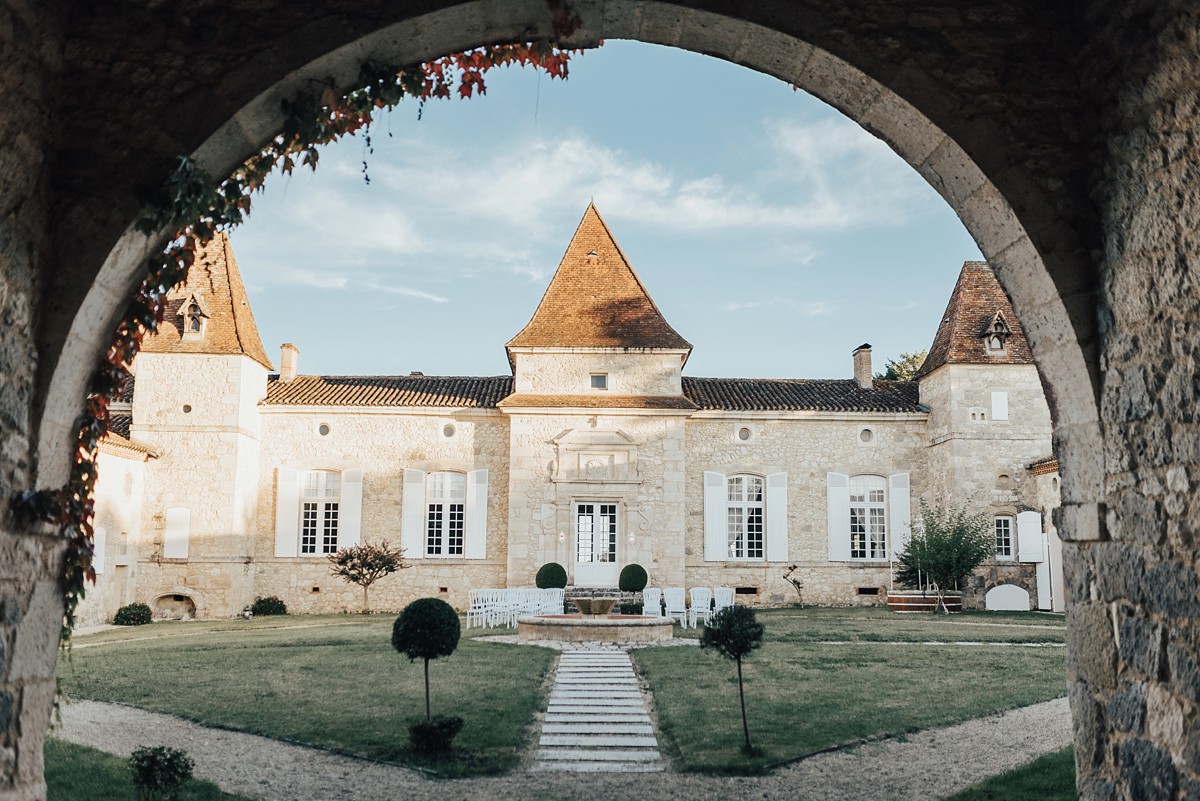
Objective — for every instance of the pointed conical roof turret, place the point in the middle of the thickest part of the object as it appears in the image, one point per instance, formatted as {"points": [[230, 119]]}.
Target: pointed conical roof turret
{"points": [[977, 302], [213, 293], [596, 300]]}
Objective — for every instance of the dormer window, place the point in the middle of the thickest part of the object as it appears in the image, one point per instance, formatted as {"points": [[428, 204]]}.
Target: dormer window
{"points": [[195, 318], [996, 334], [599, 380]]}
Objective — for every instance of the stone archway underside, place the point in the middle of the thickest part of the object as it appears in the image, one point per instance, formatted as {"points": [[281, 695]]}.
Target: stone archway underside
{"points": [[1062, 138]]}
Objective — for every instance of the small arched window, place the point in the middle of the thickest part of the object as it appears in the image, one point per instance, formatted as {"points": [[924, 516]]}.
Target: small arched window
{"points": [[195, 319]]}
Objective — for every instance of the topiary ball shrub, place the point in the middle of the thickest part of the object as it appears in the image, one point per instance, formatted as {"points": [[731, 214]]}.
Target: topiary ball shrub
{"points": [[551, 576], [134, 614], [435, 736], [271, 605], [159, 772], [633, 578], [426, 629]]}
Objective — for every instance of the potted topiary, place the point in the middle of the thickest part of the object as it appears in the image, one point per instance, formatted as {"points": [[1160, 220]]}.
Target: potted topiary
{"points": [[551, 576], [427, 629]]}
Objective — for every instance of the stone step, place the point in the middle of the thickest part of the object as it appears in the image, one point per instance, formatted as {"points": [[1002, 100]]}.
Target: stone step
{"points": [[598, 767], [608, 719], [598, 728], [598, 755], [598, 741], [597, 704], [579, 708]]}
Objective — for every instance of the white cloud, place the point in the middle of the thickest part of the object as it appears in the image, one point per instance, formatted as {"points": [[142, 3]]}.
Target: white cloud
{"points": [[811, 308], [406, 291]]}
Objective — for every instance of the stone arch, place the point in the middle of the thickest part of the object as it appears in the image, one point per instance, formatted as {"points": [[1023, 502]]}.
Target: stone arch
{"points": [[1016, 216]]}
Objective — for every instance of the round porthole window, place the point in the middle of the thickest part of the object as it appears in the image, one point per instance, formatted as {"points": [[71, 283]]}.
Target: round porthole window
{"points": [[447, 431], [1054, 484], [744, 434], [323, 429], [187, 409], [866, 435]]}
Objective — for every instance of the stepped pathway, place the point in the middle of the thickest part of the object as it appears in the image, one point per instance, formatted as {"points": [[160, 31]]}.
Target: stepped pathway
{"points": [[597, 720]]}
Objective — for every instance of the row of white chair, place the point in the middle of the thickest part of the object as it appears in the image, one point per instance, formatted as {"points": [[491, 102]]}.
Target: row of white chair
{"points": [[502, 607], [705, 603]]}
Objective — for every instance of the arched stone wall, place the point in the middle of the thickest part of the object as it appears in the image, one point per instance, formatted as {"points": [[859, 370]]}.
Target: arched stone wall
{"points": [[1062, 134]]}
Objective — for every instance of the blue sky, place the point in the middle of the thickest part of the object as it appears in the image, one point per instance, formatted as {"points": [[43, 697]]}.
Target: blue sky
{"points": [[773, 233]]}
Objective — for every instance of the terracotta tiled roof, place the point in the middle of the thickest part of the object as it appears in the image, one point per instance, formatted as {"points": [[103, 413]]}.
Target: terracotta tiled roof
{"points": [[976, 300], [596, 300], [117, 441], [1045, 466], [801, 394], [597, 402], [216, 284], [388, 390], [119, 424]]}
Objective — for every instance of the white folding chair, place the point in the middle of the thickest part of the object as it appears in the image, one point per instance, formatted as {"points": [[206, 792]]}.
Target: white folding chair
{"points": [[652, 601], [673, 598], [552, 601], [701, 606], [722, 599], [475, 609]]}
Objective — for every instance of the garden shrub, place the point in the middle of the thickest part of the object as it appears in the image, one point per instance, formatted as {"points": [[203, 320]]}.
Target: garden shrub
{"points": [[434, 736], [271, 605], [159, 772], [551, 576], [633, 578], [631, 608], [134, 614], [426, 629]]}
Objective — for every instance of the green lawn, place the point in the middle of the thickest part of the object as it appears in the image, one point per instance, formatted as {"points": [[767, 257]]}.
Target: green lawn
{"points": [[79, 773], [1048, 778], [334, 682], [803, 696]]}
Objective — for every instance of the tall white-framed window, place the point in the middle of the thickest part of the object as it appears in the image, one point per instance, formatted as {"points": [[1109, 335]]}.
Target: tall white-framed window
{"points": [[320, 511], [1005, 528], [445, 513], [744, 513], [745, 517], [868, 517]]}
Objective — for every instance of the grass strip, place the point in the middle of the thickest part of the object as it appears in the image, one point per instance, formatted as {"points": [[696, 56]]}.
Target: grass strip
{"points": [[78, 773], [1047, 778]]}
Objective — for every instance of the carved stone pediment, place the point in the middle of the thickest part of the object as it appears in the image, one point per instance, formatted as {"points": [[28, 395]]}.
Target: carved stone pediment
{"points": [[594, 455]]}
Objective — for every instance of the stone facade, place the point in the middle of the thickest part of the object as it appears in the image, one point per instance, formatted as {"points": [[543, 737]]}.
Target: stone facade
{"points": [[214, 518]]}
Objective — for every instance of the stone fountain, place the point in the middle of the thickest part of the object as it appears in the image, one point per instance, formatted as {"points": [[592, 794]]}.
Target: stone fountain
{"points": [[595, 623]]}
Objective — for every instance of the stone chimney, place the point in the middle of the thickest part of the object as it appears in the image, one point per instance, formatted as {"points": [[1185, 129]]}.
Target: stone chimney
{"points": [[289, 358], [862, 366]]}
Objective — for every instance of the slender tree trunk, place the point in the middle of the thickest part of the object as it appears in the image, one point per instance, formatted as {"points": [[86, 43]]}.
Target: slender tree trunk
{"points": [[742, 696], [366, 604], [428, 716]]}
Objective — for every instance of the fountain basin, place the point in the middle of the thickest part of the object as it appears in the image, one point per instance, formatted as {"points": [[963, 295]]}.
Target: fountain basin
{"points": [[607, 628], [595, 607]]}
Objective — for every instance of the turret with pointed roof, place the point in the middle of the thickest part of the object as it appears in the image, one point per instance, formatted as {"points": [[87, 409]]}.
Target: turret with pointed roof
{"points": [[977, 304], [226, 323], [596, 300]]}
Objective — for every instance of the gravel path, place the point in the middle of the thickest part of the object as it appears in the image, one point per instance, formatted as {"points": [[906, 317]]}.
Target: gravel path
{"points": [[929, 765]]}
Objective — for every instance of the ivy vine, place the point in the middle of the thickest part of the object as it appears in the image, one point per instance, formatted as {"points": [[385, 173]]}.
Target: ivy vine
{"points": [[195, 207]]}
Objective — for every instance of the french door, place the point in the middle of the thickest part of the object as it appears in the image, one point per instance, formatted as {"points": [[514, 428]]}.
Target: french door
{"points": [[596, 545]]}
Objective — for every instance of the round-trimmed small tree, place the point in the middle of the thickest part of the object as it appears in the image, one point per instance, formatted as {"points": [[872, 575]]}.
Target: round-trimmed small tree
{"points": [[734, 633], [427, 629], [633, 578], [551, 576]]}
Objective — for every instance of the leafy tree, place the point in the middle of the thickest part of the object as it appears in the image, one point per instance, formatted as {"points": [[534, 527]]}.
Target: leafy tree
{"points": [[734, 633], [947, 544], [903, 368], [426, 629], [160, 772], [366, 564]]}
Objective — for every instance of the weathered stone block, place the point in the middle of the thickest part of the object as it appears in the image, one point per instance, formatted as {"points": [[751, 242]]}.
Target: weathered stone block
{"points": [[1141, 646], [1127, 709], [1148, 768], [1091, 652]]}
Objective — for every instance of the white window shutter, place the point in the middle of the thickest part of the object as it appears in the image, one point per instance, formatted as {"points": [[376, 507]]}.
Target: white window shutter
{"points": [[178, 530], [350, 508], [901, 512], [716, 518], [777, 518], [1029, 537], [475, 546], [838, 494], [287, 511], [999, 405], [412, 523], [98, 537]]}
